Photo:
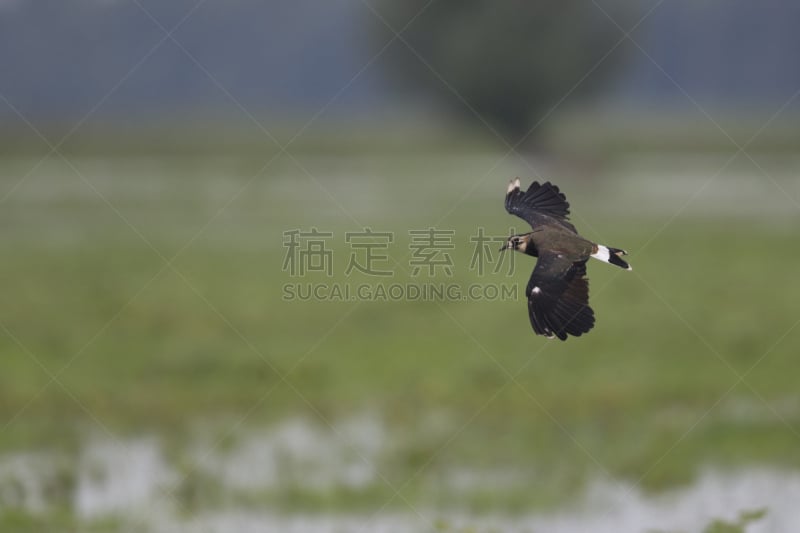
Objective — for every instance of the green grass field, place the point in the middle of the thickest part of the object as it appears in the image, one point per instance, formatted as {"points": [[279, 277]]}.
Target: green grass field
{"points": [[144, 296]]}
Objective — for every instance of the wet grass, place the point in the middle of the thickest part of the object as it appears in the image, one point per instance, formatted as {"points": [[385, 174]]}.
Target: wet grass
{"points": [[99, 334]]}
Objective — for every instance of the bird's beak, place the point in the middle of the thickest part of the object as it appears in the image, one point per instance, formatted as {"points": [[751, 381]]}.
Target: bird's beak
{"points": [[505, 247]]}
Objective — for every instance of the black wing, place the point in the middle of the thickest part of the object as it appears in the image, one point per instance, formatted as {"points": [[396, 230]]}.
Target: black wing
{"points": [[558, 297], [538, 205]]}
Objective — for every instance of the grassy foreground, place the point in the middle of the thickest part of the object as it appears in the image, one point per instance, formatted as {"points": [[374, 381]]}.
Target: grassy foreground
{"points": [[148, 295]]}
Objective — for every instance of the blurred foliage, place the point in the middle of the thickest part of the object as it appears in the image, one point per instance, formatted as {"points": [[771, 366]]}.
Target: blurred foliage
{"points": [[510, 61], [738, 526]]}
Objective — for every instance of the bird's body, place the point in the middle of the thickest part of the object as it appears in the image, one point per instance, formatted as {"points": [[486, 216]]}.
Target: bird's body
{"points": [[558, 291]]}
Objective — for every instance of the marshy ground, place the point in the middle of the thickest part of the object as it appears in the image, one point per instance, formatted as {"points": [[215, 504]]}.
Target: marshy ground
{"points": [[154, 372]]}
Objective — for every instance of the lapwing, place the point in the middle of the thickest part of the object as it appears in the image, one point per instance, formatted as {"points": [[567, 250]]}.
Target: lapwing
{"points": [[558, 291]]}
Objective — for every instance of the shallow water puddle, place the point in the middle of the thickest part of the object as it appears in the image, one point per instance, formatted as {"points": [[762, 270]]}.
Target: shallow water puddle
{"points": [[135, 481]]}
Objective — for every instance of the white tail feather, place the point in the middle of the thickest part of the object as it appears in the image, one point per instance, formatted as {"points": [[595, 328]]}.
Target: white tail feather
{"points": [[612, 256], [603, 253]]}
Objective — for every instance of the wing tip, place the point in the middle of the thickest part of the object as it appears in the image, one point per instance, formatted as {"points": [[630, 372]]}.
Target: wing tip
{"points": [[563, 317]]}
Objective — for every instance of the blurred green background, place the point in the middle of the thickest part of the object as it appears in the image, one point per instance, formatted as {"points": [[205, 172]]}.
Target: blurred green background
{"points": [[146, 192]]}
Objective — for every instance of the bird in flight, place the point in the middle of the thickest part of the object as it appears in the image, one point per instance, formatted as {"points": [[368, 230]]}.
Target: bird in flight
{"points": [[558, 291]]}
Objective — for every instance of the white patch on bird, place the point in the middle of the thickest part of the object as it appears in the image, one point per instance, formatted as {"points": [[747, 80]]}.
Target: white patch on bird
{"points": [[536, 290], [602, 253], [510, 186], [516, 183]]}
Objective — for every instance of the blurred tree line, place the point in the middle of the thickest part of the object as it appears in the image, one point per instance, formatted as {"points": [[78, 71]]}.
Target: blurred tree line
{"points": [[509, 60]]}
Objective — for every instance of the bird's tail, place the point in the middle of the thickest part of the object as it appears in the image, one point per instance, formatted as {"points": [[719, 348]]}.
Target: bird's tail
{"points": [[611, 255]]}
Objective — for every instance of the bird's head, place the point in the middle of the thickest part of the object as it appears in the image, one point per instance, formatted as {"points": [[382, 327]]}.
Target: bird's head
{"points": [[516, 242]]}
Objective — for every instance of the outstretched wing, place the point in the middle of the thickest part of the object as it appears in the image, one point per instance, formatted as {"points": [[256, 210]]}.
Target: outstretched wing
{"points": [[540, 204], [558, 297]]}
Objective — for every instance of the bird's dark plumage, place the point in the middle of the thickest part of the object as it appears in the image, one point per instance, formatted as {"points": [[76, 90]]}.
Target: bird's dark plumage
{"points": [[558, 290], [540, 204], [558, 297]]}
